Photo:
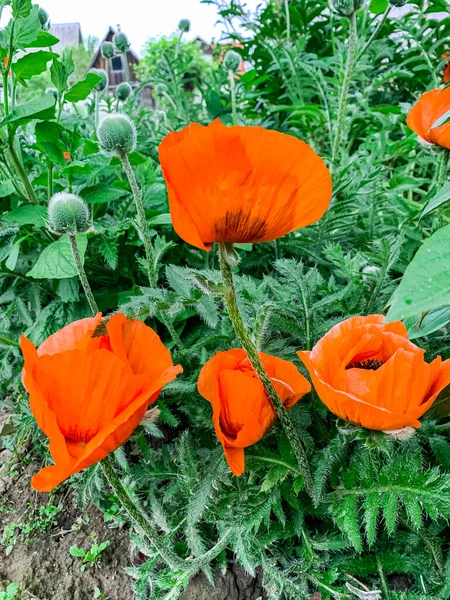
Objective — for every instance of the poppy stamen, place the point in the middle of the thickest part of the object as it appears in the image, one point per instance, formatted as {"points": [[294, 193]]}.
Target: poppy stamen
{"points": [[370, 364]]}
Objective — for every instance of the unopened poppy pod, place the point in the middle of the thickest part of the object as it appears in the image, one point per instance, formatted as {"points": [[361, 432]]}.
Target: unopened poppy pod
{"points": [[89, 392], [242, 412], [241, 184], [431, 106], [368, 373]]}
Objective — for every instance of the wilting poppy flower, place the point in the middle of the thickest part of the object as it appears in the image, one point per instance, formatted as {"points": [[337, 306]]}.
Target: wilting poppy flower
{"points": [[88, 393], [242, 412], [431, 106], [368, 373], [241, 184], [446, 72]]}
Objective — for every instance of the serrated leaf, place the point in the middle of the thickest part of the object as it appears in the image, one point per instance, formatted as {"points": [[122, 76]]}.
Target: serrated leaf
{"points": [[56, 261], [101, 194], [21, 8], [32, 64], [44, 40], [389, 506], [26, 29], [82, 89], [41, 109], [442, 196]]}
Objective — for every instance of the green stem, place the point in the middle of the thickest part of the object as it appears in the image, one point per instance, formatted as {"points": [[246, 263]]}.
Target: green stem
{"points": [[82, 273], [376, 31], [143, 524], [442, 172], [288, 20], [344, 90], [22, 173], [50, 179], [96, 109], [253, 356], [382, 578], [141, 219], [5, 340], [233, 96], [127, 67]]}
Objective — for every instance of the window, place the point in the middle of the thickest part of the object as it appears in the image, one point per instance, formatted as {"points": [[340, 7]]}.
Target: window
{"points": [[117, 63]]}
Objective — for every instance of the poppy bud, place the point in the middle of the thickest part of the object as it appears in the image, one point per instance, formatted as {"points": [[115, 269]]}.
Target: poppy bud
{"points": [[117, 135], [345, 8], [398, 2], [103, 84], [232, 61], [43, 16], [68, 213], [123, 91], [184, 25], [108, 50], [121, 42]]}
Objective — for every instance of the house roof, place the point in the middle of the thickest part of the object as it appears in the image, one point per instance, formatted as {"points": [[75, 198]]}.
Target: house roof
{"points": [[109, 35], [69, 34]]}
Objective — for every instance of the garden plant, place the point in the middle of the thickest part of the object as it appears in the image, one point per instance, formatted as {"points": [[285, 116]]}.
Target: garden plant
{"points": [[225, 318]]}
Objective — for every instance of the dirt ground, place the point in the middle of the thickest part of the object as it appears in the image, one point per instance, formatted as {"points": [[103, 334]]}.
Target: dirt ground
{"points": [[45, 569]]}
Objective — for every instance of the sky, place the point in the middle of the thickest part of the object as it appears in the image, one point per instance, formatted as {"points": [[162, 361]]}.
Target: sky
{"points": [[139, 19]]}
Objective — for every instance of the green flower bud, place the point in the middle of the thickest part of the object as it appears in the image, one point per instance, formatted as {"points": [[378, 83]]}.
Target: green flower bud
{"points": [[121, 42], [68, 213], [232, 61], [184, 25], [345, 8], [398, 2], [123, 91], [43, 16], [103, 84], [117, 135], [108, 50]]}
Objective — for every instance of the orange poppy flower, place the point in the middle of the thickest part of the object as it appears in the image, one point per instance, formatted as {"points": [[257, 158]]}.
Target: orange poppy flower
{"points": [[88, 393], [431, 106], [241, 184], [368, 373], [242, 412], [446, 72], [66, 156]]}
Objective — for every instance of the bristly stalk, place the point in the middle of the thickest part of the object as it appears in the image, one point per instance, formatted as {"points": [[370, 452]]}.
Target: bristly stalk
{"points": [[376, 31], [82, 273], [288, 20], [351, 51], [252, 353], [442, 170], [143, 524]]}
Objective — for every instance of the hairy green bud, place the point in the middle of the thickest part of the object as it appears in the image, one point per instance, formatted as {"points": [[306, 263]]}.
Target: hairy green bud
{"points": [[346, 8], [123, 91], [121, 42], [43, 16], [108, 50], [232, 61], [184, 25], [68, 213], [117, 135], [103, 84]]}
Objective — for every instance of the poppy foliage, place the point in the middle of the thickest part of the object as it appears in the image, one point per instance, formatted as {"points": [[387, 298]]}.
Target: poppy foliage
{"points": [[89, 392], [241, 184], [368, 373]]}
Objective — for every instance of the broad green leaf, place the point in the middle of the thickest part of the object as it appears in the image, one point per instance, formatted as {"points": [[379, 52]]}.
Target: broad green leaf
{"points": [[431, 322], [426, 282], [32, 64], [27, 215], [101, 194], [163, 219], [6, 189], [378, 6], [56, 261], [42, 109], [61, 70], [11, 262], [27, 29], [21, 8], [82, 89], [442, 120], [441, 197], [44, 40]]}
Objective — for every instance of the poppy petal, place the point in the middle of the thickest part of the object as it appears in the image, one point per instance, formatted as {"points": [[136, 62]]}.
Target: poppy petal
{"points": [[77, 335]]}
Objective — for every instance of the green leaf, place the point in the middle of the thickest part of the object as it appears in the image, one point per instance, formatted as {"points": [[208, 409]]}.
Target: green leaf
{"points": [[21, 8], [78, 552], [82, 89], [442, 120], [27, 29], [426, 282], [164, 219], [7, 239], [441, 197], [11, 262], [32, 64], [431, 322], [42, 109], [44, 40], [378, 6], [61, 70], [27, 215], [56, 261], [6, 189], [101, 194]]}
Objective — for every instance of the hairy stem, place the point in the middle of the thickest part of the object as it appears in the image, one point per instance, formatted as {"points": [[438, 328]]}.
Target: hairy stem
{"points": [[143, 524], [22, 173], [8, 341], [376, 31], [442, 171], [344, 90], [127, 67], [82, 273], [288, 20], [233, 96], [253, 356]]}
